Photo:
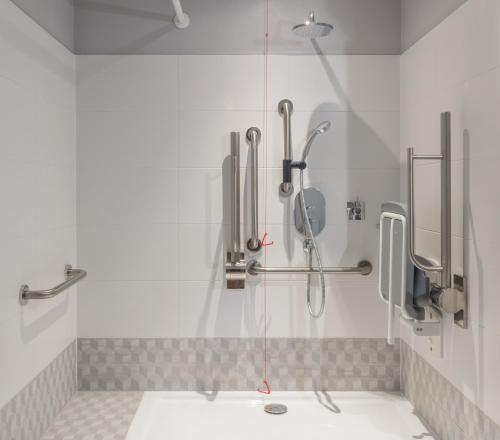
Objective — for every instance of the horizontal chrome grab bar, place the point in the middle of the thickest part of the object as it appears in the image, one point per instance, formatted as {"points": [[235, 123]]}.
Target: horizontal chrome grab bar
{"points": [[363, 268], [72, 277]]}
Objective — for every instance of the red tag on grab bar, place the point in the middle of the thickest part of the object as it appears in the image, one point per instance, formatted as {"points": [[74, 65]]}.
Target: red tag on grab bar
{"points": [[263, 241]]}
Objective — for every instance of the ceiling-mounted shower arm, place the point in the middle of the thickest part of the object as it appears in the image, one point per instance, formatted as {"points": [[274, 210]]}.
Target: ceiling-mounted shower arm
{"points": [[181, 19], [285, 109]]}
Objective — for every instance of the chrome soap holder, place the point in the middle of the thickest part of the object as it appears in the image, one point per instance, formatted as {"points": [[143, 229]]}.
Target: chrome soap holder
{"points": [[355, 210]]}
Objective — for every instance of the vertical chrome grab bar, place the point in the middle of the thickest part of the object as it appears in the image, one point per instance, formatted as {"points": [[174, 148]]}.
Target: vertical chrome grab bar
{"points": [[446, 200], [285, 109], [235, 258], [445, 157], [254, 136], [235, 197]]}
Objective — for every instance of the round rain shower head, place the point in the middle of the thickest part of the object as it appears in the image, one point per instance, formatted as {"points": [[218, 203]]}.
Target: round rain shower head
{"points": [[312, 29]]}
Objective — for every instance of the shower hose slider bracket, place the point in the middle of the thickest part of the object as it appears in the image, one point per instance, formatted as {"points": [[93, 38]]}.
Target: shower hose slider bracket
{"points": [[288, 166]]}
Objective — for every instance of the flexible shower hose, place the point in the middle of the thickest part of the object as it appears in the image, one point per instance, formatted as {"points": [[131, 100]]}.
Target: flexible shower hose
{"points": [[310, 236]]}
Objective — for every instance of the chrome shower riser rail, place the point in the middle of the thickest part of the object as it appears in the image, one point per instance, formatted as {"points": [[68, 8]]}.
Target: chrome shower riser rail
{"points": [[285, 109], [72, 277], [363, 268]]}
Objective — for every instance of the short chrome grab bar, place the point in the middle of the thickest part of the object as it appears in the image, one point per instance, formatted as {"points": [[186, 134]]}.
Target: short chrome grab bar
{"points": [[445, 157], [254, 136], [363, 268], [72, 277], [285, 109], [235, 259]]}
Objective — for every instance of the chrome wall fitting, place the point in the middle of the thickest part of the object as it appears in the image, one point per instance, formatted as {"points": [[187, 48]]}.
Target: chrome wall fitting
{"points": [[253, 137], [315, 206], [235, 258], [355, 210], [448, 297], [363, 268], [72, 277]]}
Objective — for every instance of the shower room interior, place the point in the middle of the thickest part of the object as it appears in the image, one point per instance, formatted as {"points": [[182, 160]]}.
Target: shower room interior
{"points": [[271, 218]]}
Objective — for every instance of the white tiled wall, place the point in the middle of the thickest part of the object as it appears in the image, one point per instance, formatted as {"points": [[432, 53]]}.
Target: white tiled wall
{"points": [[456, 67], [153, 134], [37, 192]]}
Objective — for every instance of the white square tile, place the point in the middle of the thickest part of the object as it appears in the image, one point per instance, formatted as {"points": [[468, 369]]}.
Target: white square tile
{"points": [[129, 252], [221, 82], [18, 109], [109, 195], [204, 136], [201, 195], [355, 140], [20, 195], [209, 310], [56, 202], [202, 251], [481, 115], [127, 82], [128, 139], [128, 309], [340, 83]]}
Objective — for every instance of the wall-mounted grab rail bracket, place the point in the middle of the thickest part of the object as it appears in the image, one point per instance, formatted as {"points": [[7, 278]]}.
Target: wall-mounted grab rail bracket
{"points": [[72, 277]]}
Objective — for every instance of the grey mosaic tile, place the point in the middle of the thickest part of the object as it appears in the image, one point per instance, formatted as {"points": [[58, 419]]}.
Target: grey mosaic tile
{"points": [[446, 410], [237, 364], [96, 416], [34, 408]]}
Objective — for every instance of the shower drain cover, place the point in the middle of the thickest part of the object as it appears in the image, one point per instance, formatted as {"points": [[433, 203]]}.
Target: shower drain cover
{"points": [[275, 408]]}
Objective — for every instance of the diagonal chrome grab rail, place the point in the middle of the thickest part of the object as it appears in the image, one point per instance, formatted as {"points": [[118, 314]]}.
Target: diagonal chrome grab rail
{"points": [[72, 277], [363, 268]]}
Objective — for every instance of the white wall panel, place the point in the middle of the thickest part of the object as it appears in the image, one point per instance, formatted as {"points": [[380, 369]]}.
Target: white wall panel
{"points": [[38, 196]]}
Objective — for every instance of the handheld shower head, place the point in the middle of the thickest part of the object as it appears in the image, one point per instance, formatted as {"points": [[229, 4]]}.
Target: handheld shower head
{"points": [[320, 129], [323, 126]]}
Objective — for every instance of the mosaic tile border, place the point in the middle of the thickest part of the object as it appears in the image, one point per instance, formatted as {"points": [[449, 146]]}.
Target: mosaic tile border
{"points": [[34, 408], [226, 364], [445, 409]]}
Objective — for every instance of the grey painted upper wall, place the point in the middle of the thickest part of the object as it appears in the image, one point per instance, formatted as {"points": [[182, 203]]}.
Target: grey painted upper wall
{"points": [[420, 16], [55, 16], [236, 26]]}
